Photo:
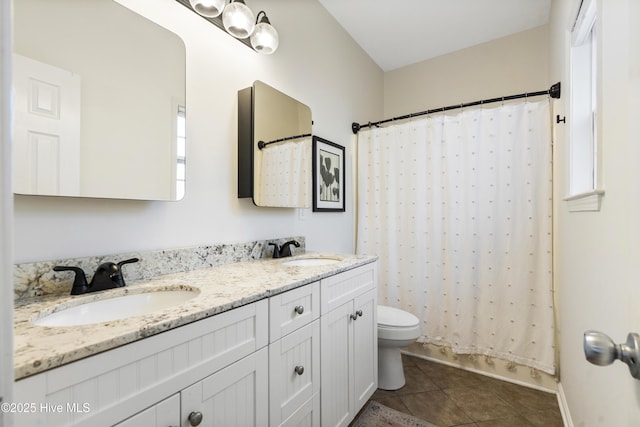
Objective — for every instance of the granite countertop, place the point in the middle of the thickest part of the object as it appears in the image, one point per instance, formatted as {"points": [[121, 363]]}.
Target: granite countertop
{"points": [[221, 288]]}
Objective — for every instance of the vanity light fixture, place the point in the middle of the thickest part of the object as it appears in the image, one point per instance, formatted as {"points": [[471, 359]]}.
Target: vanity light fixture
{"points": [[208, 8], [237, 19], [264, 38]]}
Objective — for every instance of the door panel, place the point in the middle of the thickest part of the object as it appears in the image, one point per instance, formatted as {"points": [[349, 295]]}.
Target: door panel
{"points": [[47, 128]]}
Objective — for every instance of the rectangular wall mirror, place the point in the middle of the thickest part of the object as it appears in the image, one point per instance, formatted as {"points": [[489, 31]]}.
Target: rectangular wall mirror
{"points": [[274, 148], [99, 102]]}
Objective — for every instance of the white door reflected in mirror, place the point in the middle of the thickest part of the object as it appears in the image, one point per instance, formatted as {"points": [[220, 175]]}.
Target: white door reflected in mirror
{"points": [[46, 155], [124, 141]]}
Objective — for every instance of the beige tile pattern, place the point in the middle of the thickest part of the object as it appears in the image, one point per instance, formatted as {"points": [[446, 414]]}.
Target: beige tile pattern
{"points": [[447, 396]]}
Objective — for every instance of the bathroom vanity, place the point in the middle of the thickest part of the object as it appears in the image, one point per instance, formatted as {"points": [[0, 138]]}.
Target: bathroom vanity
{"points": [[266, 343]]}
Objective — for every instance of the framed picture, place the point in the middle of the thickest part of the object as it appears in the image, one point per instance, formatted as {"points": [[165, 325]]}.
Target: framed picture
{"points": [[328, 176]]}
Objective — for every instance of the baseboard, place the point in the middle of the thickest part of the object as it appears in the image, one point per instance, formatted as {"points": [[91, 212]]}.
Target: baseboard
{"points": [[564, 407]]}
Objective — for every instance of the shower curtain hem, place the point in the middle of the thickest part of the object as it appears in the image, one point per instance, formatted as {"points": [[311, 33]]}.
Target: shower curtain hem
{"points": [[521, 360]]}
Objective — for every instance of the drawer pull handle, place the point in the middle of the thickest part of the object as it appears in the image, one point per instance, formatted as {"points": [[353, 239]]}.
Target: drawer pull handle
{"points": [[195, 418], [356, 315], [299, 370], [299, 309]]}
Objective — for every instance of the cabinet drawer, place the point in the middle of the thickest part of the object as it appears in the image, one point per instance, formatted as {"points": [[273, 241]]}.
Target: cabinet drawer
{"points": [[165, 413], [294, 371], [293, 309], [341, 288], [307, 415]]}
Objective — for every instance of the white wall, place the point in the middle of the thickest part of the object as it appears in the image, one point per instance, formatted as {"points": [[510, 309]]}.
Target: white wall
{"points": [[506, 66], [597, 253], [316, 63]]}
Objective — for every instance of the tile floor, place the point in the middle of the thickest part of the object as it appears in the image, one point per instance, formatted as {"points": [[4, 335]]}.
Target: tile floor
{"points": [[447, 396]]}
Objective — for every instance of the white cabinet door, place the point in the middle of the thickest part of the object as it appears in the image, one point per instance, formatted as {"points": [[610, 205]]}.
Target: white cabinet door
{"points": [[336, 366], [349, 344], [235, 396], [163, 414], [365, 348], [294, 371]]}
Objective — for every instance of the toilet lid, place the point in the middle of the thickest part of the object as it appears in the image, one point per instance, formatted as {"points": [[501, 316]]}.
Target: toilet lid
{"points": [[389, 316]]}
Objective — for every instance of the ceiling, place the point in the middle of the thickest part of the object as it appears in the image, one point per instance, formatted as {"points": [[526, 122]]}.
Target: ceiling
{"points": [[399, 33]]}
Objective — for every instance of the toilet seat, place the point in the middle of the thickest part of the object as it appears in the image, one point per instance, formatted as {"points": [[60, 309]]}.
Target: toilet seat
{"points": [[395, 324], [399, 334], [391, 317]]}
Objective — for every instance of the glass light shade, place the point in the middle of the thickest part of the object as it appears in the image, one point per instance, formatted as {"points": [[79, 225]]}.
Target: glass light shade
{"points": [[237, 19], [264, 38], [208, 8]]}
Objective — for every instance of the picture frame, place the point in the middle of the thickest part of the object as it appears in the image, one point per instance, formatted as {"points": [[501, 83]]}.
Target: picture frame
{"points": [[328, 176]]}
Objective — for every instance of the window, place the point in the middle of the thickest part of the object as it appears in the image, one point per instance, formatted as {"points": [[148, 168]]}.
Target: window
{"points": [[181, 153], [583, 178]]}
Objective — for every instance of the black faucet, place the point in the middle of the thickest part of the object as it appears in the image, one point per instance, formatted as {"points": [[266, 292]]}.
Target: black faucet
{"points": [[284, 250], [107, 276]]}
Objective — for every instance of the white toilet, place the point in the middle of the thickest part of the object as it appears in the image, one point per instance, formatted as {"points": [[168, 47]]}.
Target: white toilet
{"points": [[396, 329]]}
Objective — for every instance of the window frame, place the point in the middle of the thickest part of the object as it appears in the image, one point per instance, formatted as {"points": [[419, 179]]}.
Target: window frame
{"points": [[584, 193], [181, 159]]}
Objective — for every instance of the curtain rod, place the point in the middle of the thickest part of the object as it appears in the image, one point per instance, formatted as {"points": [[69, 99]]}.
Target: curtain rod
{"points": [[553, 92], [262, 144]]}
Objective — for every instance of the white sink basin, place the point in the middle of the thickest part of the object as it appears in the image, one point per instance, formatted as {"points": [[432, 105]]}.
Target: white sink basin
{"points": [[311, 261], [115, 308]]}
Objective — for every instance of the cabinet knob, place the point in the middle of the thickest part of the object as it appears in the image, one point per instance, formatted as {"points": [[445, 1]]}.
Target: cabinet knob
{"points": [[195, 418], [299, 309], [356, 315], [299, 370]]}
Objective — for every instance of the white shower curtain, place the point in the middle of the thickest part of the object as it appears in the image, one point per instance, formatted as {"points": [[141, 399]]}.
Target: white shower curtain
{"points": [[458, 209], [285, 174]]}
